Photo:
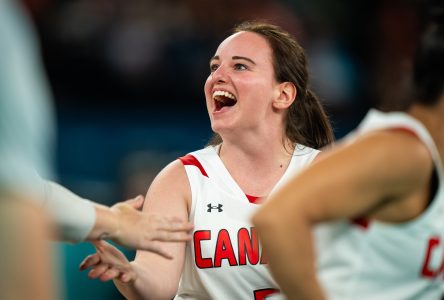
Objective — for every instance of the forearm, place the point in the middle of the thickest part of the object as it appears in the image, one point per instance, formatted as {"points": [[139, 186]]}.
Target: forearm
{"points": [[150, 283], [106, 224], [285, 223], [74, 217], [287, 243]]}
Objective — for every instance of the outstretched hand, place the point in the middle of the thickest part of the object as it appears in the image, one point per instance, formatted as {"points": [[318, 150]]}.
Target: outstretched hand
{"points": [[108, 263], [141, 230]]}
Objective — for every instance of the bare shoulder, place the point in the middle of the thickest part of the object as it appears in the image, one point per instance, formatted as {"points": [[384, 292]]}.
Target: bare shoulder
{"points": [[397, 153], [399, 146], [174, 171], [171, 185]]}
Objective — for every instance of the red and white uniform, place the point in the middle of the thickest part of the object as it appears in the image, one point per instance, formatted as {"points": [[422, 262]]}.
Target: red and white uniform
{"points": [[367, 259], [224, 259]]}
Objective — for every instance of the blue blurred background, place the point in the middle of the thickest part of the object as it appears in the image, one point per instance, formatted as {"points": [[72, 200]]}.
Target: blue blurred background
{"points": [[127, 78]]}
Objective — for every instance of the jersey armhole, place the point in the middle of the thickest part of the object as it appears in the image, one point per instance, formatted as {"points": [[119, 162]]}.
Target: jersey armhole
{"points": [[190, 160], [434, 182]]}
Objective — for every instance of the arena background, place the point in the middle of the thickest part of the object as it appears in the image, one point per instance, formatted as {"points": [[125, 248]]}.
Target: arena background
{"points": [[127, 78]]}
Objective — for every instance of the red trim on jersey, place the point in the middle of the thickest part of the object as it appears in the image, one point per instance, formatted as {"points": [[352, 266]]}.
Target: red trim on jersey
{"points": [[406, 130], [190, 160], [253, 199], [361, 222]]}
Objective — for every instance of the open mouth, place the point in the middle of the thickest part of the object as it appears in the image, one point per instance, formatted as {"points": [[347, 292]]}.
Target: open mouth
{"points": [[223, 99]]}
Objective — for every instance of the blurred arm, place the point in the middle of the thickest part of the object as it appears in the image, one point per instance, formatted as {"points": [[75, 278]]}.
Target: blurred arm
{"points": [[78, 219], [73, 216], [352, 181]]}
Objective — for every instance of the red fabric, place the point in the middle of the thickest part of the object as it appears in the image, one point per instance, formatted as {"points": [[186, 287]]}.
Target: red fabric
{"points": [[405, 129], [361, 222], [253, 199], [190, 160]]}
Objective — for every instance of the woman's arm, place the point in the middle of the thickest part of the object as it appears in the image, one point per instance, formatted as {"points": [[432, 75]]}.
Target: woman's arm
{"points": [[360, 179], [79, 219], [156, 277]]}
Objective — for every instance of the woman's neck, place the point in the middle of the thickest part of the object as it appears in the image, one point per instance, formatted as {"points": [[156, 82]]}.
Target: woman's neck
{"points": [[258, 151], [256, 167]]}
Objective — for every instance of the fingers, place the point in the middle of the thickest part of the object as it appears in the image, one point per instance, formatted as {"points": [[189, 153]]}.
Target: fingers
{"points": [[100, 245], [136, 203], [167, 229], [104, 273], [170, 236], [125, 277], [110, 274], [171, 231], [170, 223], [109, 263], [89, 261], [98, 270], [158, 248], [178, 225]]}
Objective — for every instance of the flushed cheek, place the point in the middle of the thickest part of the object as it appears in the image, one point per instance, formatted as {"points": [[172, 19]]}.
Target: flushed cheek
{"points": [[208, 83], [207, 91]]}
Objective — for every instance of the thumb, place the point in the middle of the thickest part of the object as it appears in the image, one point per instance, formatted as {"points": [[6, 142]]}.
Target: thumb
{"points": [[137, 202], [99, 245]]}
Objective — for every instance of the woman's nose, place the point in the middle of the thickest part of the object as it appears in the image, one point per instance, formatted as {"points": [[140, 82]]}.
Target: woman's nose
{"points": [[220, 74]]}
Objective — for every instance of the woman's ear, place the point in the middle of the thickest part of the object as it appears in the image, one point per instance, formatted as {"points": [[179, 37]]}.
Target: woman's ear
{"points": [[287, 94]]}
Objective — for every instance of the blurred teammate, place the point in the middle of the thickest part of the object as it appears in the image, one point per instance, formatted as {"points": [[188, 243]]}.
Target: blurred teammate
{"points": [[28, 204], [382, 194], [268, 125]]}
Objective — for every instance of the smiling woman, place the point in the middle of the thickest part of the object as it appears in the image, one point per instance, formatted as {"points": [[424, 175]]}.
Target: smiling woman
{"points": [[267, 126], [305, 121]]}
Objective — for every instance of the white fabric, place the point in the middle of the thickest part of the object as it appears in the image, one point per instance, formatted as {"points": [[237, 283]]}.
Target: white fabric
{"points": [[387, 261], [224, 226], [74, 216], [27, 127], [26, 116]]}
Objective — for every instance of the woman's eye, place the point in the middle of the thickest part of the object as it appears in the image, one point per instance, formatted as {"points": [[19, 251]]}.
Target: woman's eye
{"points": [[240, 67], [213, 67]]}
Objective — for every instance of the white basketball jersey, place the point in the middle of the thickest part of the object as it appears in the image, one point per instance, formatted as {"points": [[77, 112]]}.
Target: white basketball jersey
{"points": [[367, 259], [224, 259]]}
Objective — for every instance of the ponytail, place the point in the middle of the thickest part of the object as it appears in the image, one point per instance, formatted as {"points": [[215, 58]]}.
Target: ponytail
{"points": [[307, 123]]}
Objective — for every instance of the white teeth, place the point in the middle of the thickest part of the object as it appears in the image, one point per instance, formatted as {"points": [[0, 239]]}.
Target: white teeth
{"points": [[223, 93]]}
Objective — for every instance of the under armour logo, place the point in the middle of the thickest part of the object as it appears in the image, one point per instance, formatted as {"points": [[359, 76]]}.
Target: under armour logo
{"points": [[211, 207]]}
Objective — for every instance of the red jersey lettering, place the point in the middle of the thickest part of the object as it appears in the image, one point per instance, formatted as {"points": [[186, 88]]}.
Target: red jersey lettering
{"points": [[199, 236], [248, 249], [248, 246], [261, 294], [224, 249], [427, 270]]}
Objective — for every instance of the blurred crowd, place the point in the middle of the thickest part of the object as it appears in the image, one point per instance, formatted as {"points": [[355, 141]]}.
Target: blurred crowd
{"points": [[154, 55]]}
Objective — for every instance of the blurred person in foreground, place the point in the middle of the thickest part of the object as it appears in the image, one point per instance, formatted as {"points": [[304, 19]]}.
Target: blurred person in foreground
{"points": [[268, 125], [33, 209], [377, 200]]}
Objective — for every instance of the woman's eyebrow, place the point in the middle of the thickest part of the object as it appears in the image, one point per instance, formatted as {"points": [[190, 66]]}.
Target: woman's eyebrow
{"points": [[216, 57], [244, 58]]}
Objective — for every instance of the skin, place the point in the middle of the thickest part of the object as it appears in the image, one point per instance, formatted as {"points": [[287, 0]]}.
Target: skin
{"points": [[25, 255], [252, 132], [391, 185], [253, 128], [124, 224]]}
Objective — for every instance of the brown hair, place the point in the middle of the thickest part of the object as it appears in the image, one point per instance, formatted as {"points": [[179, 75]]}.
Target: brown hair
{"points": [[429, 66], [306, 121]]}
